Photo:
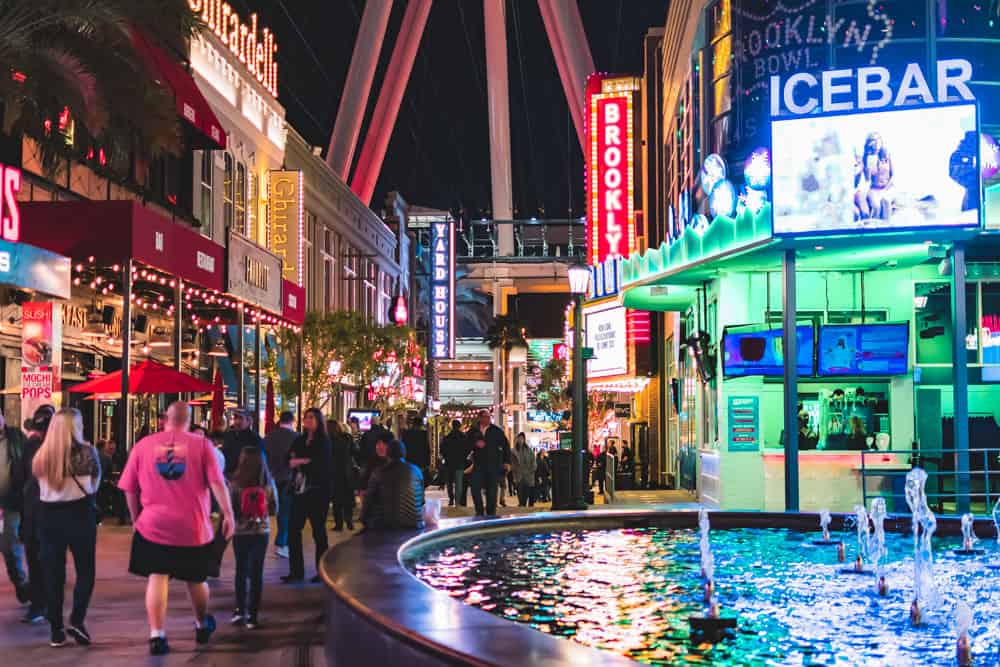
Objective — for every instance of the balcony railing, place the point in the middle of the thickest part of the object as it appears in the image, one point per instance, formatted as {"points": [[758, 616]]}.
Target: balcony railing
{"points": [[553, 240]]}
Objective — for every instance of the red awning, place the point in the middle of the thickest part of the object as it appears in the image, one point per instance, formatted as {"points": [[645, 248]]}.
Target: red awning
{"points": [[191, 104], [147, 377], [115, 231]]}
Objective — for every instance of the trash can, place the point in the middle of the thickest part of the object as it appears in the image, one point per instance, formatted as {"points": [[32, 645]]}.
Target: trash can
{"points": [[561, 461]]}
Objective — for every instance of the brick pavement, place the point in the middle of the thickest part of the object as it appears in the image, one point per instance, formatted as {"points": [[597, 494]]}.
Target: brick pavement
{"points": [[291, 631]]}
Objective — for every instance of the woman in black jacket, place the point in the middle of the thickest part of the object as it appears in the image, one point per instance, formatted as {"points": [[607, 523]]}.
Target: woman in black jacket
{"points": [[343, 477], [310, 461]]}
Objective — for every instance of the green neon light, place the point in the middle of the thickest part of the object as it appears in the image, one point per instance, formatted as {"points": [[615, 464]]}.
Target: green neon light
{"points": [[724, 235]]}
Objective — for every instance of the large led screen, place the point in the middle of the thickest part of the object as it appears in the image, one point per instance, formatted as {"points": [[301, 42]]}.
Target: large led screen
{"points": [[903, 169], [761, 353], [864, 349]]}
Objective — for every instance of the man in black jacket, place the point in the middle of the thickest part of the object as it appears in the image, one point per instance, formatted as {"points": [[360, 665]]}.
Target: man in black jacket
{"points": [[11, 501], [36, 427], [455, 450], [490, 463], [395, 496], [239, 436]]}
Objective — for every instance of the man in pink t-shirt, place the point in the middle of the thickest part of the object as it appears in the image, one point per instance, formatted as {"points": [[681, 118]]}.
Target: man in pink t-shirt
{"points": [[167, 481]]}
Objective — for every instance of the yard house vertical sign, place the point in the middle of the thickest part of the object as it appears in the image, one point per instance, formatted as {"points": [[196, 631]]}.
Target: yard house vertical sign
{"points": [[443, 290]]}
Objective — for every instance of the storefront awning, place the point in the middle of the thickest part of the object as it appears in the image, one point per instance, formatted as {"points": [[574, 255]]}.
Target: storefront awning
{"points": [[191, 104], [660, 298], [117, 231], [26, 267]]}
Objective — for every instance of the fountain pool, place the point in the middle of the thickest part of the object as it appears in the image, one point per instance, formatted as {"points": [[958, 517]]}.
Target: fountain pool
{"points": [[631, 590]]}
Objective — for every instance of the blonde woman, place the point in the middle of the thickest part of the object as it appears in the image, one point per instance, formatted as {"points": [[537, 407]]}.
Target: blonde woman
{"points": [[69, 473]]}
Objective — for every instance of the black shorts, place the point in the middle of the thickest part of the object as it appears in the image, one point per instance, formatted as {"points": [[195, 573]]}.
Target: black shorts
{"points": [[191, 564]]}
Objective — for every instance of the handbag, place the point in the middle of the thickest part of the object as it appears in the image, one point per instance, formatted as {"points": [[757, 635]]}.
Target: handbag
{"points": [[217, 548]]}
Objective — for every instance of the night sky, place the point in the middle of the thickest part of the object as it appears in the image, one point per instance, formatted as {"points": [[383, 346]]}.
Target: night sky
{"points": [[439, 152]]}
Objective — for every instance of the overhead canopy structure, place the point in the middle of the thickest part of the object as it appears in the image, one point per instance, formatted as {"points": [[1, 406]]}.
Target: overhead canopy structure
{"points": [[147, 377]]}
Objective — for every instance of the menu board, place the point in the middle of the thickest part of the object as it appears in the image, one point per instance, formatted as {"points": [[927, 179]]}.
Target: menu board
{"points": [[864, 349]]}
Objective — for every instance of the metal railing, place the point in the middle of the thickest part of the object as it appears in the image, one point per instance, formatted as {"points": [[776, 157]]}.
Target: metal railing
{"points": [[532, 239], [883, 474]]}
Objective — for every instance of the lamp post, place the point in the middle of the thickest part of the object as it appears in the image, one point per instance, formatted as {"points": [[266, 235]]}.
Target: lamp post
{"points": [[579, 281]]}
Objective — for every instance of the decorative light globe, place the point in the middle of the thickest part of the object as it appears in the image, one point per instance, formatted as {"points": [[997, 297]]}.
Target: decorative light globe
{"points": [[713, 170], [723, 199], [757, 170]]}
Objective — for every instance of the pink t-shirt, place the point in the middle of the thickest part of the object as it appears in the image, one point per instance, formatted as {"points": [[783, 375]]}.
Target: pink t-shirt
{"points": [[171, 472]]}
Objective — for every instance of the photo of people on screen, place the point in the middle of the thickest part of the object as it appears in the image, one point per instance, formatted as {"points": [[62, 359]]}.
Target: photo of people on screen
{"points": [[880, 170]]}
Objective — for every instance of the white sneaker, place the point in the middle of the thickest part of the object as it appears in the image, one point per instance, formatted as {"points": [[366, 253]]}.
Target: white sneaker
{"points": [[281, 552]]}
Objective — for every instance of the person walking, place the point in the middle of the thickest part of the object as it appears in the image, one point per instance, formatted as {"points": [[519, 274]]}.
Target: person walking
{"points": [[277, 444], [240, 435], [11, 501], [255, 500], [490, 462], [31, 519], [310, 461], [543, 474], [395, 496], [342, 481], [523, 466], [167, 482], [68, 471], [455, 450]]}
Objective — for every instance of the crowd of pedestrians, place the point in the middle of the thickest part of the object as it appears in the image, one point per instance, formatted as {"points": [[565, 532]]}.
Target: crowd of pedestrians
{"points": [[188, 495]]}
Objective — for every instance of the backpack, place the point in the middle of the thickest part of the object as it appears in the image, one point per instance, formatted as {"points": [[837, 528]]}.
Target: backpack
{"points": [[253, 504]]}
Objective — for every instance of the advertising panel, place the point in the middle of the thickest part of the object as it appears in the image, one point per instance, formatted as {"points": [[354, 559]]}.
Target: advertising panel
{"points": [[607, 334], [870, 172], [744, 423], [442, 290], [287, 222], [41, 355], [610, 168], [864, 349], [254, 274]]}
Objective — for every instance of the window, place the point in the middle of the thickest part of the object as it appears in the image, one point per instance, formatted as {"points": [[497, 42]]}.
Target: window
{"points": [[240, 198], [227, 193], [207, 202], [253, 203], [932, 323]]}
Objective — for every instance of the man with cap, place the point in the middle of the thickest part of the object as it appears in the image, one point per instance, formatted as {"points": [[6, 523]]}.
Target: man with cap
{"points": [[240, 435]]}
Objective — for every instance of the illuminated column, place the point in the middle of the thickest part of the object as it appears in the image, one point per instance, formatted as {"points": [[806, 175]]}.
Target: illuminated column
{"points": [[389, 99], [569, 26], [494, 16], [358, 86], [574, 90]]}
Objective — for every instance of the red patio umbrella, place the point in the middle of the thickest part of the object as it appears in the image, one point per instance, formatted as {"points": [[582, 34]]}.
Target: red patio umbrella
{"points": [[147, 377], [218, 403], [269, 424]]}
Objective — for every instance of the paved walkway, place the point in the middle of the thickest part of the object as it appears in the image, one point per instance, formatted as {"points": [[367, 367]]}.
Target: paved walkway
{"points": [[291, 631]]}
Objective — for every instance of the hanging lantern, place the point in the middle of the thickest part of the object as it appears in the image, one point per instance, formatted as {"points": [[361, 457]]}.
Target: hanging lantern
{"points": [[400, 313]]}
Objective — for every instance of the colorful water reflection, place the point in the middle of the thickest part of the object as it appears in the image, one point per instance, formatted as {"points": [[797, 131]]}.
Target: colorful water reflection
{"points": [[631, 592]]}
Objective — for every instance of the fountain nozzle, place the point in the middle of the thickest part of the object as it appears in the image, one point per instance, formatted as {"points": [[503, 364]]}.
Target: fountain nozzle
{"points": [[967, 544], [916, 614], [713, 609], [709, 590], [841, 552], [859, 564], [826, 533], [963, 651], [883, 586]]}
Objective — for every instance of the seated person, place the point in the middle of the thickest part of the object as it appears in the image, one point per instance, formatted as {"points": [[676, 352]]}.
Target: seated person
{"points": [[857, 439], [395, 496]]}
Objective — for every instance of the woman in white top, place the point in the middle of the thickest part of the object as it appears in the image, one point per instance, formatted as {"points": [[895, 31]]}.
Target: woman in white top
{"points": [[68, 472]]}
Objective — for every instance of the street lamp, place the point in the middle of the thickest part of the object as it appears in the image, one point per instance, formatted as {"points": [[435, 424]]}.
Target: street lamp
{"points": [[579, 281]]}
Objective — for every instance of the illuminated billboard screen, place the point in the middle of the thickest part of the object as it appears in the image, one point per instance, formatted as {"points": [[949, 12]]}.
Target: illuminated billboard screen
{"points": [[912, 168], [761, 353], [864, 349], [607, 335]]}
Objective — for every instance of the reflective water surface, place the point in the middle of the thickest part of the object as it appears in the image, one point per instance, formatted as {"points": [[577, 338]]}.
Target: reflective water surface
{"points": [[631, 591]]}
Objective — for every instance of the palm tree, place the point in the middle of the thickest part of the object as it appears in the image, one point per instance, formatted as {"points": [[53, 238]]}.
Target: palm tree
{"points": [[74, 60], [503, 335]]}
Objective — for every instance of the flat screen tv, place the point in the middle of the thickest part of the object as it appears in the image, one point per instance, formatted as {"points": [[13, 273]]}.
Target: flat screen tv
{"points": [[365, 418], [864, 349], [761, 352]]}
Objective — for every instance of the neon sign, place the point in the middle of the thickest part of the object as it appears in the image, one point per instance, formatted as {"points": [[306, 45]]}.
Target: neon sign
{"points": [[442, 290], [10, 212], [287, 222], [868, 88], [610, 167], [254, 48]]}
